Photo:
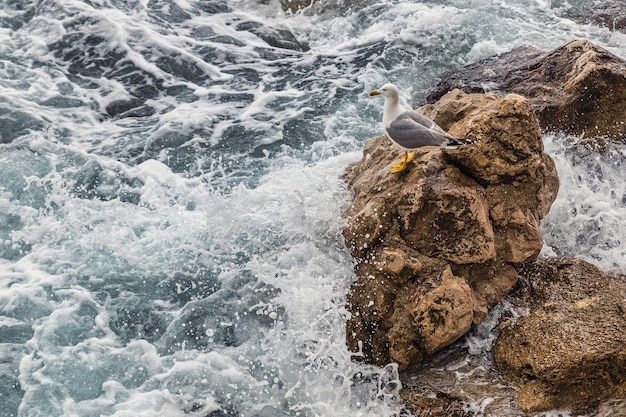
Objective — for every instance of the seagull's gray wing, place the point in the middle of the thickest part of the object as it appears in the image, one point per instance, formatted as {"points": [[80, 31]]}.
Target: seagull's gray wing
{"points": [[412, 130], [425, 121]]}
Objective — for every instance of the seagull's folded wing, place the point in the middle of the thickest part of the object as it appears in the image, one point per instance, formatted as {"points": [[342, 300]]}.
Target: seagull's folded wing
{"points": [[412, 130]]}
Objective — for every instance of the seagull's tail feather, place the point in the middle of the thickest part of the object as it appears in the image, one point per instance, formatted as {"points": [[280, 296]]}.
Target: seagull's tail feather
{"points": [[458, 141]]}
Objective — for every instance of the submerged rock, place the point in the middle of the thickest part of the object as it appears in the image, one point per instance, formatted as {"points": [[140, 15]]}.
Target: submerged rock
{"points": [[296, 5], [14, 123], [437, 244], [578, 88], [276, 37], [610, 14], [570, 350]]}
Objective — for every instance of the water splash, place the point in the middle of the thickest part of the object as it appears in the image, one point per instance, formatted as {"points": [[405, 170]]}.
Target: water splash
{"points": [[585, 220]]}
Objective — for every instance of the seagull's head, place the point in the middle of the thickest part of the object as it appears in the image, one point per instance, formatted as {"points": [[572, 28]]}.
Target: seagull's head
{"points": [[388, 91]]}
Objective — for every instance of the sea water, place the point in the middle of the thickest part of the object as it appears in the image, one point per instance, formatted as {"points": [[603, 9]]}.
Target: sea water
{"points": [[171, 196]]}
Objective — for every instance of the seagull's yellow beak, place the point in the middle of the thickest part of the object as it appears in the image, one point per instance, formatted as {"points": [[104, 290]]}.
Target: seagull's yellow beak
{"points": [[374, 93]]}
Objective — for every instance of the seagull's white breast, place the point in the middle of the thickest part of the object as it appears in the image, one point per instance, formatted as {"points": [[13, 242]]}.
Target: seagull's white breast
{"points": [[391, 112]]}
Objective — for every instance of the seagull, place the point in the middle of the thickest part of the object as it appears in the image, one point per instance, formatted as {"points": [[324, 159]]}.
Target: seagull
{"points": [[410, 130]]}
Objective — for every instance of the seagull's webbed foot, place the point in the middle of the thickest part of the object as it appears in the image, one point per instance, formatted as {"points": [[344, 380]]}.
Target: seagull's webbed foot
{"points": [[404, 162], [399, 167]]}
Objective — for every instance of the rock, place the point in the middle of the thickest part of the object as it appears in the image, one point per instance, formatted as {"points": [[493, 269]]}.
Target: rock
{"points": [[610, 14], [276, 37], [442, 310], [129, 108], [214, 7], [437, 244], [432, 403], [578, 88], [317, 7], [570, 350], [295, 5], [15, 123]]}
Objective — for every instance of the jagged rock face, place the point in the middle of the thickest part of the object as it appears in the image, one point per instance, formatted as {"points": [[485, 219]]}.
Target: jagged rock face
{"points": [[570, 350], [578, 88], [437, 244]]}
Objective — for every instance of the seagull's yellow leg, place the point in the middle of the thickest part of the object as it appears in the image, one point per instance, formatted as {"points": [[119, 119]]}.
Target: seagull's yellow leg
{"points": [[401, 166], [408, 157]]}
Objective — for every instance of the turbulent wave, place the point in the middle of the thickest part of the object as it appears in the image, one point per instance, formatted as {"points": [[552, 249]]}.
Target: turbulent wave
{"points": [[585, 220], [171, 198]]}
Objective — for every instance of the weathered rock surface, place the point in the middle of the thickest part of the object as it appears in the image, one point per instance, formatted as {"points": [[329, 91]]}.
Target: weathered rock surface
{"points": [[430, 403], [570, 351], [437, 244], [578, 88]]}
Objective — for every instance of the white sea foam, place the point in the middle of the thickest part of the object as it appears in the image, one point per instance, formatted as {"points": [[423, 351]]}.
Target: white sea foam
{"points": [[586, 219], [286, 231]]}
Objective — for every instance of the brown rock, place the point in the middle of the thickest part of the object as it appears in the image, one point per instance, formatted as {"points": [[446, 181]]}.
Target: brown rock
{"points": [[570, 351], [497, 288], [372, 299], [435, 244], [578, 88], [443, 310], [522, 237], [395, 260], [432, 403]]}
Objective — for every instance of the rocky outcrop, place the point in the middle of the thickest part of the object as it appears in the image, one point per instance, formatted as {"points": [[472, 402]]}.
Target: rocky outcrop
{"points": [[570, 350], [578, 88], [437, 244]]}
